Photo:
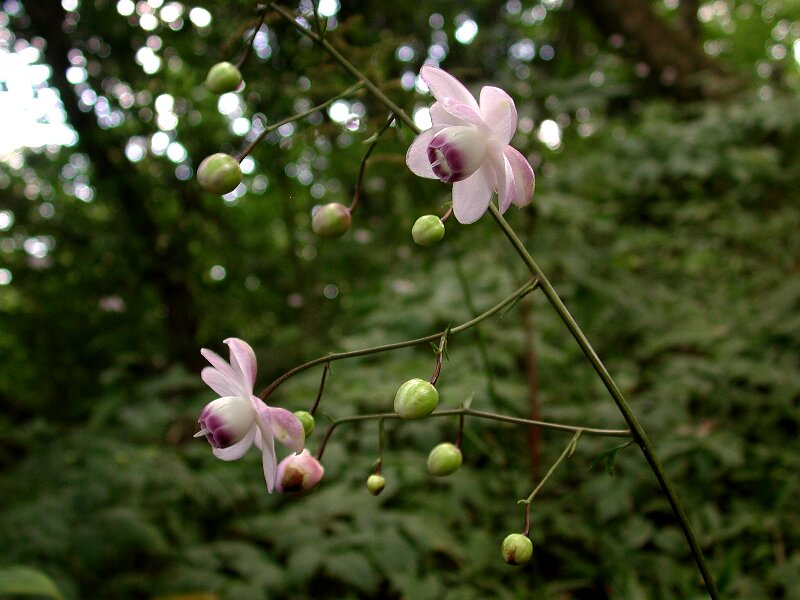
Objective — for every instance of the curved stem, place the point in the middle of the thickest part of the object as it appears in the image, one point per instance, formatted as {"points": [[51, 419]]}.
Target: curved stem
{"points": [[321, 389], [639, 434], [261, 11], [525, 289], [348, 92], [570, 448], [348, 66], [363, 166], [468, 412]]}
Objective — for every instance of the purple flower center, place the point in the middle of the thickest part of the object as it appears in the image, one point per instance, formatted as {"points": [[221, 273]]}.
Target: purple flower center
{"points": [[456, 152]]}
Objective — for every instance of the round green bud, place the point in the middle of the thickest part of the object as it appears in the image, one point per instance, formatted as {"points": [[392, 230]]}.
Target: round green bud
{"points": [[375, 484], [415, 399], [306, 420], [428, 230], [219, 173], [223, 77], [444, 459], [331, 220], [516, 549]]}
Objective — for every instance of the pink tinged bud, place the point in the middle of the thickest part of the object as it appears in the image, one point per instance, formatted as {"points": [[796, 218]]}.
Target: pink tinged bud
{"points": [[226, 421], [456, 152], [331, 220], [298, 474]]}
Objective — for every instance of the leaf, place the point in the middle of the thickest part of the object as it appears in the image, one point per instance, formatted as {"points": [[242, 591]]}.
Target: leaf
{"points": [[609, 458], [28, 582]]}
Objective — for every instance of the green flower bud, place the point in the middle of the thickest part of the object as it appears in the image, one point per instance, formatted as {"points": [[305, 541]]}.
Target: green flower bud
{"points": [[219, 173], [428, 230], [331, 220], [223, 77], [415, 399], [306, 420], [517, 549], [444, 459], [375, 484]]}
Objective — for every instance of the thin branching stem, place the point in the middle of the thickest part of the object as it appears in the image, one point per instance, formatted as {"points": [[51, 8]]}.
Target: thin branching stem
{"points": [[363, 166], [638, 432], [525, 289], [479, 414], [348, 92], [261, 11]]}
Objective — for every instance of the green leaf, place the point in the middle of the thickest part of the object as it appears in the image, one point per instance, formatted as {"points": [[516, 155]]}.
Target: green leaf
{"points": [[28, 582], [609, 458]]}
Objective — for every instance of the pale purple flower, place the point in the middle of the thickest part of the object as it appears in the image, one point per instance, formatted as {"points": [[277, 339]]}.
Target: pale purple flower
{"points": [[238, 419], [298, 474], [467, 145]]}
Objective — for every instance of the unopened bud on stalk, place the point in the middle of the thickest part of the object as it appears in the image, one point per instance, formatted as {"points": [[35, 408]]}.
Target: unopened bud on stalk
{"points": [[306, 420], [415, 399], [331, 220], [298, 474], [219, 173], [517, 549], [444, 459], [375, 484], [428, 230], [223, 77]]}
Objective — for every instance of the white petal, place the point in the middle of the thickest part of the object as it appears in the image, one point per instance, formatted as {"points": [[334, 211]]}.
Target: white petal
{"points": [[471, 196], [439, 116], [499, 113], [461, 111], [287, 428], [504, 178], [417, 155], [270, 462], [524, 179], [443, 85], [239, 448], [218, 382], [226, 370], [243, 361]]}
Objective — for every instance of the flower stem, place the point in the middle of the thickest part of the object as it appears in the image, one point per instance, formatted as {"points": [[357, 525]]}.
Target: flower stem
{"points": [[261, 12], [639, 434], [363, 166], [479, 414], [570, 448], [348, 66], [348, 92], [525, 289]]}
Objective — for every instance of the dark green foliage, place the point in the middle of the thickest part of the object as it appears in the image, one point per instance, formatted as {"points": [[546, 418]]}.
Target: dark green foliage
{"points": [[670, 230]]}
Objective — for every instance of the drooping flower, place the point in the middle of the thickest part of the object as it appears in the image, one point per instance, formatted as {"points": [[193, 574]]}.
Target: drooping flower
{"points": [[467, 145], [238, 419], [298, 474]]}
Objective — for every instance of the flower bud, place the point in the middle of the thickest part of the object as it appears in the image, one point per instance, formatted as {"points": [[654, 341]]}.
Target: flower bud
{"points": [[226, 421], [516, 549], [223, 77], [428, 230], [306, 420], [331, 220], [375, 484], [298, 474], [219, 173], [444, 459], [415, 399]]}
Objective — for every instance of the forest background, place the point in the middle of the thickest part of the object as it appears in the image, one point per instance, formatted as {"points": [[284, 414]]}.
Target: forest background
{"points": [[665, 138]]}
